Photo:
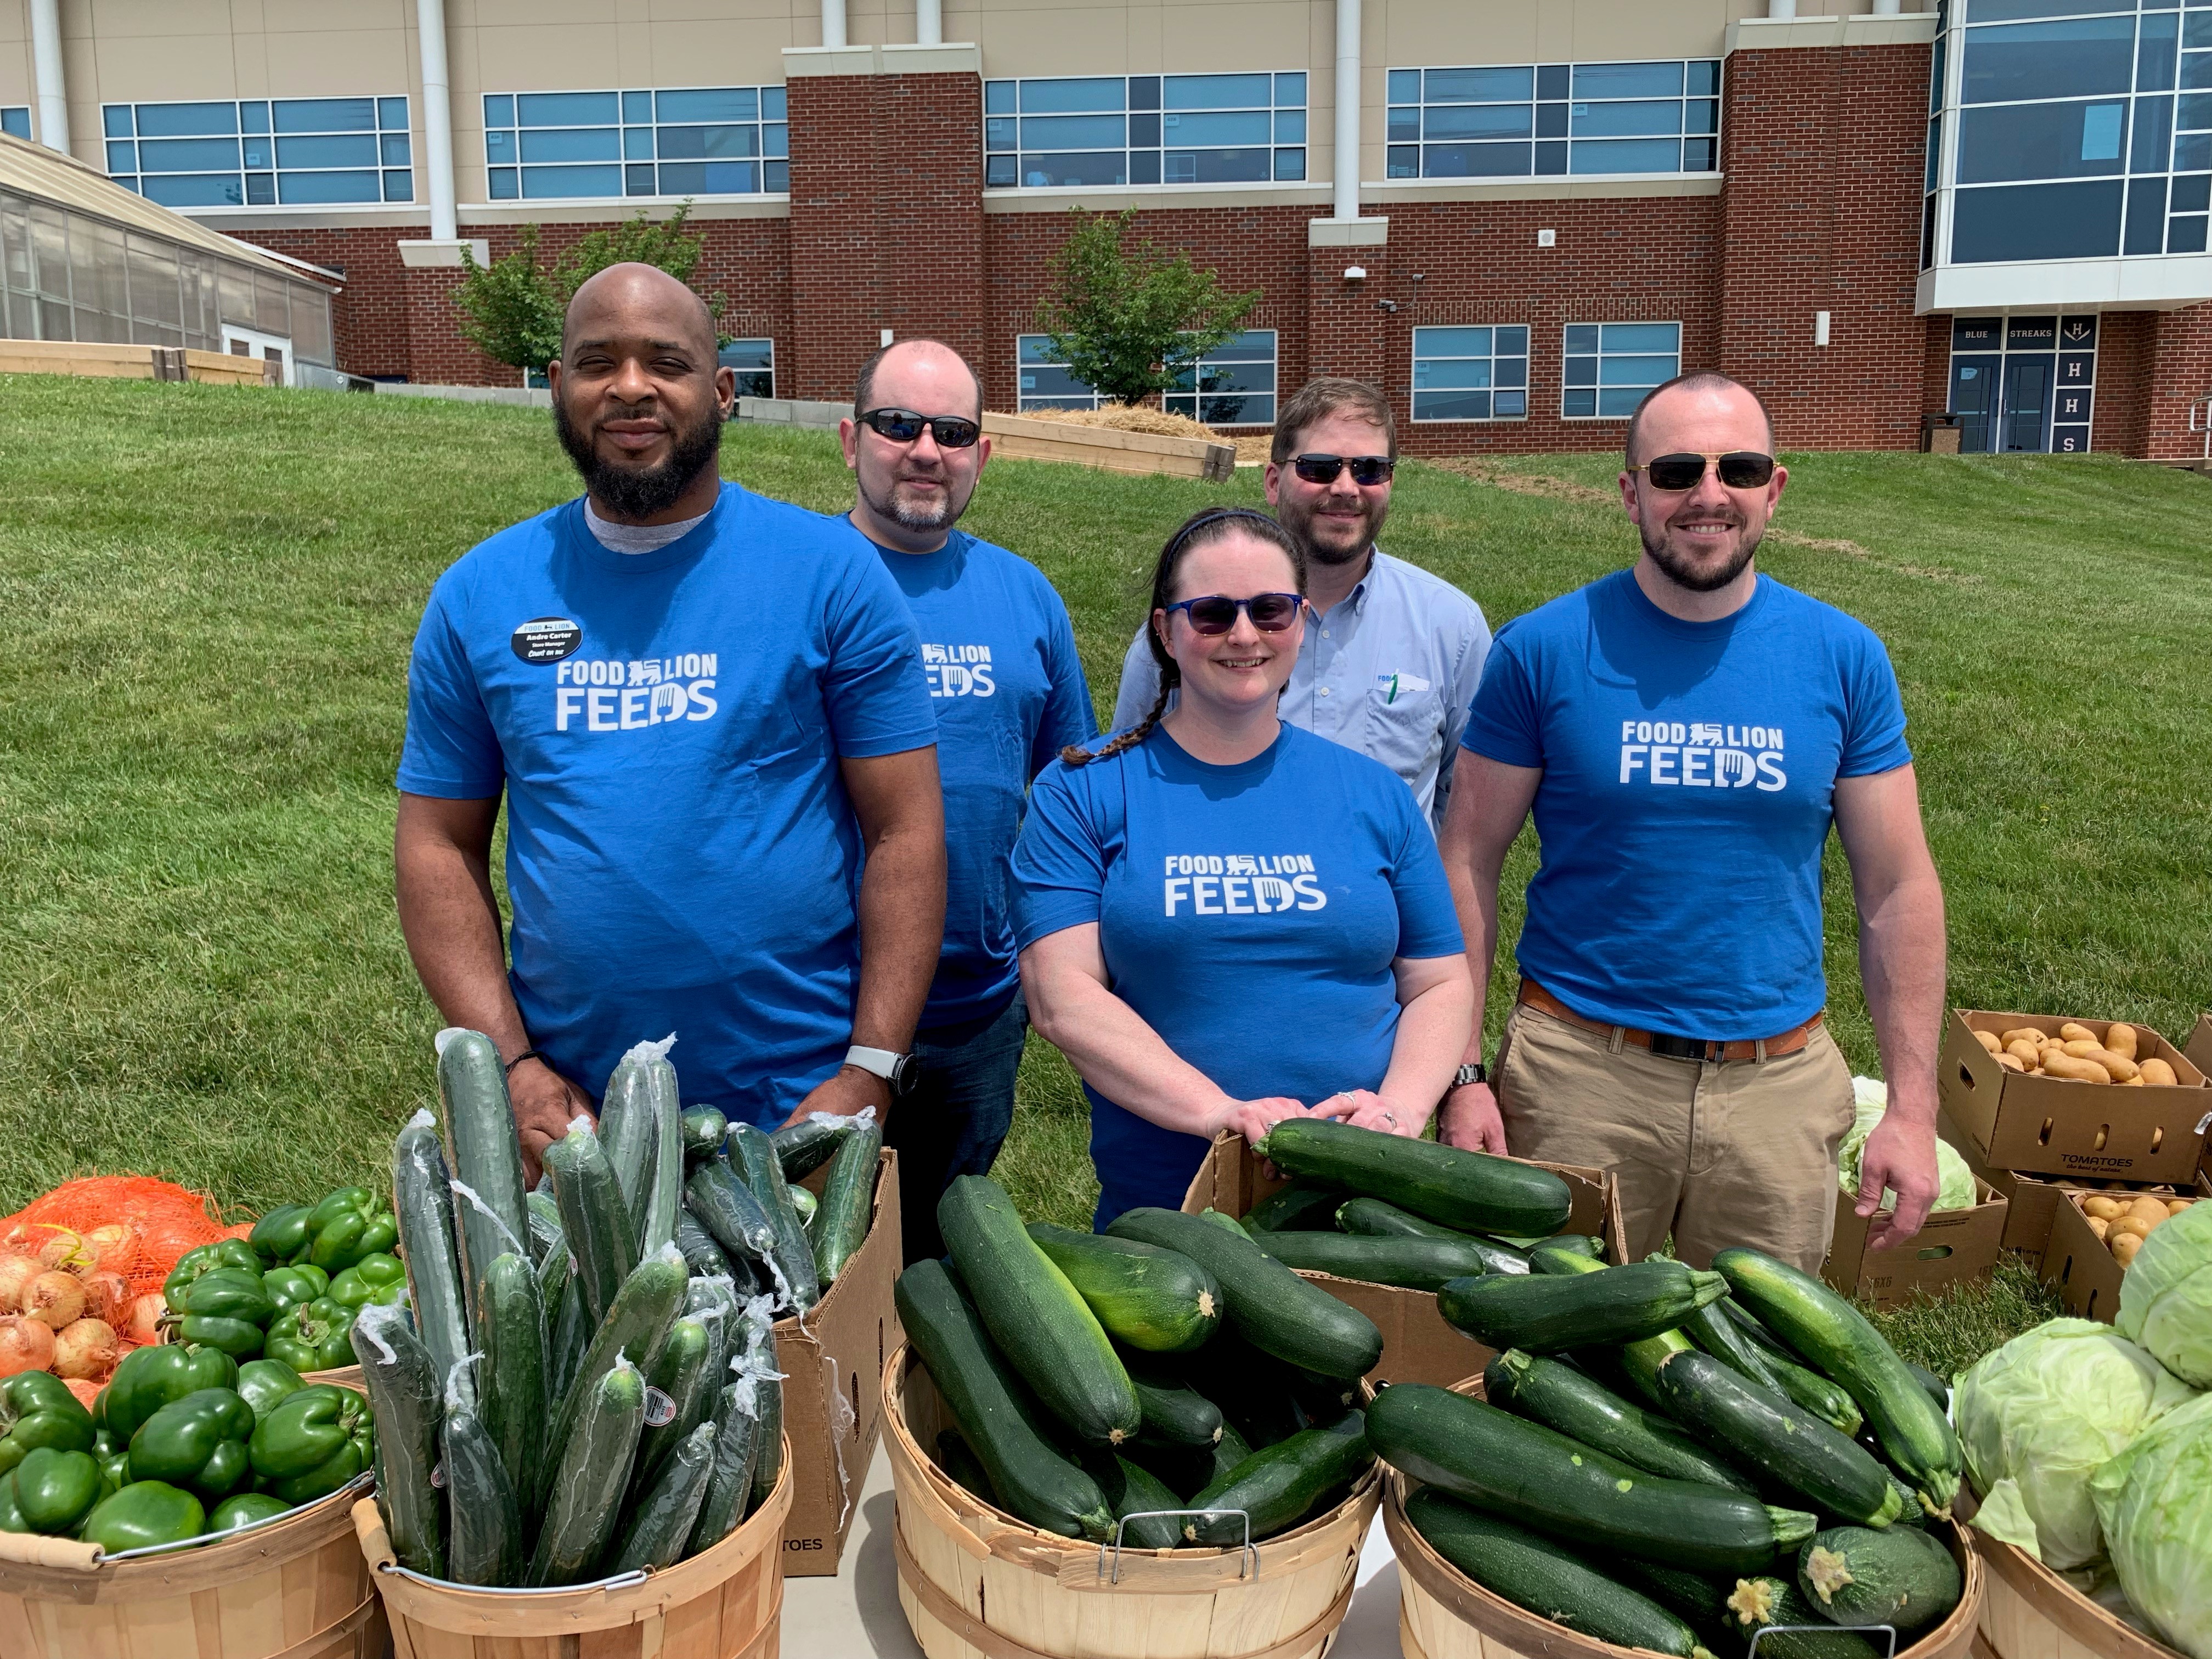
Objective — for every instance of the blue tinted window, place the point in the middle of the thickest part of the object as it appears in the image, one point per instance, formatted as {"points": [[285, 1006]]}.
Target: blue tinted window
{"points": [[2036, 222], [1291, 91], [307, 188], [1232, 386], [1472, 122], [121, 158], [1404, 86], [399, 186], [772, 107], [998, 97], [187, 155], [1627, 120], [727, 103], [2038, 141], [572, 144], [1627, 155], [1640, 336], [1999, 11], [181, 190], [566, 109], [693, 141], [1610, 367], [1477, 121], [1072, 132], [2049, 60], [1214, 129], [115, 120], [1060, 97], [637, 106], [498, 112], [1458, 374], [332, 150], [1225, 127], [539, 182], [1704, 78], [1289, 126], [1479, 86], [185, 120], [324, 114], [1218, 92], [1628, 80], [391, 114]]}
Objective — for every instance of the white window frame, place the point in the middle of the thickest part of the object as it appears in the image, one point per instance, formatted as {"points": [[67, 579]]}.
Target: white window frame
{"points": [[1535, 104], [1599, 389], [377, 133], [1522, 356], [260, 346], [23, 110], [622, 126], [761, 339], [1290, 129], [1025, 401]]}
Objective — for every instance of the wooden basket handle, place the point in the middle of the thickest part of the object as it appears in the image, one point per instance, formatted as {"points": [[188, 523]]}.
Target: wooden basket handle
{"points": [[32, 1549], [375, 1543]]}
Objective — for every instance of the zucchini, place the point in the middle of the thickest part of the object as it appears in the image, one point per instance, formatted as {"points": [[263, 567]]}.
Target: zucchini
{"points": [[1557, 1395], [737, 1426], [643, 1083], [662, 1520], [1034, 1481], [1900, 1576], [662, 1198], [1370, 1217], [1576, 1243], [1038, 1321], [1268, 1305], [960, 1465], [407, 1401], [1816, 1392], [594, 1216], [1473, 1191], [1302, 1203], [1765, 1432], [724, 1206], [1132, 1489], [485, 1542], [1156, 1300], [1716, 1334], [1837, 1337], [752, 1155], [1535, 1573], [680, 1375], [1592, 1502], [585, 1500], [1175, 1414], [487, 1154], [1763, 1603], [423, 1204], [511, 1382], [1701, 1600], [632, 1334], [1415, 1264], [804, 1146], [1910, 1510], [702, 1129], [848, 1200], [1640, 1362], [1278, 1485], [1935, 1387], [1544, 1313], [1548, 1256]]}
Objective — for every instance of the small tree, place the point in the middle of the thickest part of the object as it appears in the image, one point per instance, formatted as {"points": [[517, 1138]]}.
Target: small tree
{"points": [[512, 309], [1130, 320]]}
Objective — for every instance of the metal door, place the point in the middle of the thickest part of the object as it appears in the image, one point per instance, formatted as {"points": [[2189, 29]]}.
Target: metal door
{"points": [[1974, 401], [2027, 423]]}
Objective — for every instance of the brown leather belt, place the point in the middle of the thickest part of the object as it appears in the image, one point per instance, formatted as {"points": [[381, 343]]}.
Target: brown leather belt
{"points": [[1536, 996]]}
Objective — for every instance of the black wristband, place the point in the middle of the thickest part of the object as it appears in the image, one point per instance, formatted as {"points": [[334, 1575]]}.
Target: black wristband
{"points": [[537, 1054]]}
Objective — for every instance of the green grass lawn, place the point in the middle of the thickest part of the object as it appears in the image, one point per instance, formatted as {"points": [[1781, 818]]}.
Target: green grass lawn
{"points": [[210, 595]]}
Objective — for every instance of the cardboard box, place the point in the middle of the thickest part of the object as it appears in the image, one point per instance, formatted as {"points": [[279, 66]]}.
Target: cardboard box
{"points": [[2034, 1199], [2199, 1051], [2055, 1126], [1952, 1247], [833, 1385], [1418, 1346], [2079, 1267]]}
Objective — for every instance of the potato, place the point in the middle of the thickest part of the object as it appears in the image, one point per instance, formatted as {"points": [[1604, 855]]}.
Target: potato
{"points": [[2151, 1209], [2104, 1206], [1989, 1041], [2098, 1225], [2176, 1205], [2056, 1064], [2122, 1069], [2124, 1246], [2156, 1071], [2025, 1053], [2073, 1032], [2022, 1034], [2132, 1223], [2135, 1082], [2081, 1047], [2013, 1063], [2120, 1038]]}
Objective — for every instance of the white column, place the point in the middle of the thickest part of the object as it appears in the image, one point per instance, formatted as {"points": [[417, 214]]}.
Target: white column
{"points": [[437, 119], [929, 22], [46, 63], [1887, 8], [1347, 110], [1782, 11], [833, 22]]}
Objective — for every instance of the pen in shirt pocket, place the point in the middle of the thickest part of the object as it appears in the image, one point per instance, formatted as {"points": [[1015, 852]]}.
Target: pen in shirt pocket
{"points": [[1393, 686]]}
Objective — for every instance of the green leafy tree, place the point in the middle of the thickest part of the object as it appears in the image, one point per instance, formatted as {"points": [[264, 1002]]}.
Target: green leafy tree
{"points": [[1128, 320], [511, 309]]}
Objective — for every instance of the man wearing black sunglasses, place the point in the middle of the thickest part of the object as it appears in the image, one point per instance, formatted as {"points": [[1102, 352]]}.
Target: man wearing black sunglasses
{"points": [[999, 653], [1393, 654], [1686, 731]]}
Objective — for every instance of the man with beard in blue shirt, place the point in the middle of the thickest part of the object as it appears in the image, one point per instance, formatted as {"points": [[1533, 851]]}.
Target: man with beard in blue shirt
{"points": [[999, 653]]}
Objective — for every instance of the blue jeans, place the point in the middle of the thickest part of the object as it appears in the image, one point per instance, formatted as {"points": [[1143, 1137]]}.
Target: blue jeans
{"points": [[956, 1117]]}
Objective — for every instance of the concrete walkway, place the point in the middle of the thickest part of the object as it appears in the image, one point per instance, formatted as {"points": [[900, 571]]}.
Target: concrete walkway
{"points": [[858, 1611]]}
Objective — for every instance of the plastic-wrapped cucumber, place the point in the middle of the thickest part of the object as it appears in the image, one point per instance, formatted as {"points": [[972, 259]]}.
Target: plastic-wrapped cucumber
{"points": [[569, 1333], [663, 1200], [680, 1373], [585, 1500], [707, 1259], [423, 1201], [643, 1081], [741, 1428], [703, 1129], [511, 1385], [485, 1546], [759, 1360], [594, 1215], [545, 1230], [713, 1303], [848, 1199], [662, 1520], [720, 1201], [405, 1398], [487, 1153], [753, 1155], [632, 1334], [806, 1145]]}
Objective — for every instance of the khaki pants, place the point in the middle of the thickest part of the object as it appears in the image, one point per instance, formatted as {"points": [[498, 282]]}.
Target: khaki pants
{"points": [[1714, 1154]]}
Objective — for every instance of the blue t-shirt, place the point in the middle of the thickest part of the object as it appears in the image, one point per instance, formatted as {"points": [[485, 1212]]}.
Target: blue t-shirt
{"points": [[999, 653], [1248, 914], [1689, 779], [681, 853]]}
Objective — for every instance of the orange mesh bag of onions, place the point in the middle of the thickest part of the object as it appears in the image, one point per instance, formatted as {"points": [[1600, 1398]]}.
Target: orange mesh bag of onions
{"points": [[120, 1234]]}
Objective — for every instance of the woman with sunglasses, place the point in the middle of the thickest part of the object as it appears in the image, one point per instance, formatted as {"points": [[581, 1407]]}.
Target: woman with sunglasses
{"points": [[1226, 920]]}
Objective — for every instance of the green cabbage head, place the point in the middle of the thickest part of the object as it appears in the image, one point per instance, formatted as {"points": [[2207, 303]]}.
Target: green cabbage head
{"points": [[1871, 1099], [2166, 1297], [2042, 1414], [2152, 1501]]}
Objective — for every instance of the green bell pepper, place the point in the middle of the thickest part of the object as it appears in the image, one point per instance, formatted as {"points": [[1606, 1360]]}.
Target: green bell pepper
{"points": [[306, 1431], [56, 1490], [36, 1410], [205, 1259], [238, 1338], [318, 1337], [350, 1224], [12, 1512], [147, 1513], [229, 1293], [150, 1377], [288, 1287], [379, 1278], [262, 1382], [114, 1473], [198, 1443], [245, 1509], [280, 1236]]}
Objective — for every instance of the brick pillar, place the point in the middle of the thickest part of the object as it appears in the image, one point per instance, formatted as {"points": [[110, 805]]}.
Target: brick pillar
{"points": [[2178, 371], [1346, 330], [886, 216], [1823, 150]]}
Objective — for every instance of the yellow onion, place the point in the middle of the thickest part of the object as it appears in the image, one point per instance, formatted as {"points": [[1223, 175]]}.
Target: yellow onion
{"points": [[54, 1299], [66, 1250], [25, 1345], [87, 1349], [114, 1246], [106, 1296], [142, 1321], [16, 1272]]}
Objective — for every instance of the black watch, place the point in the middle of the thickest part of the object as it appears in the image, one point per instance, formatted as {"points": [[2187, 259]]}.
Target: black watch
{"points": [[1477, 1072]]}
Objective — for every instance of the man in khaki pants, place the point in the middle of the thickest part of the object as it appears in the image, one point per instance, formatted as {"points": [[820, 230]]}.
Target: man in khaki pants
{"points": [[1686, 731]]}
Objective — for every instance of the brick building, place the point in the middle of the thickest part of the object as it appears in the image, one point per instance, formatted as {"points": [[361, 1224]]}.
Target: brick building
{"points": [[1513, 214]]}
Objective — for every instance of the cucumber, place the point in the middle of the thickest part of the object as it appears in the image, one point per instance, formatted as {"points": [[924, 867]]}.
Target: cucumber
{"points": [[1370, 1217], [663, 1199], [662, 1520], [1900, 1576], [958, 1459], [804, 1203], [511, 1380], [1555, 1395], [1537, 1574], [423, 1204], [1816, 1392], [1046, 1331], [1175, 1414], [567, 1337], [706, 1259], [407, 1400], [737, 1426], [1582, 1497], [545, 1230], [631, 1334], [752, 1155], [702, 1131], [760, 1363], [806, 1145], [643, 1085], [1268, 1305], [724, 1206], [585, 1500], [487, 1154], [1472, 1191], [1544, 1313], [594, 1216], [713, 1303], [1033, 1480], [680, 1374], [1760, 1603], [1767, 1433], [1130, 1490], [553, 1271], [1300, 1204], [1156, 1300], [1278, 1485], [848, 1199], [1416, 1264], [485, 1542], [1844, 1346]]}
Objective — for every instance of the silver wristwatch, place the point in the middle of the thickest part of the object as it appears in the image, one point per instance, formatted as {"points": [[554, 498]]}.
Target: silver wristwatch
{"points": [[897, 1070], [1477, 1072]]}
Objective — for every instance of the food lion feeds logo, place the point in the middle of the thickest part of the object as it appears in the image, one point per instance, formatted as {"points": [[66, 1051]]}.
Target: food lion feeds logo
{"points": [[1702, 754], [1241, 884], [957, 671], [608, 694]]}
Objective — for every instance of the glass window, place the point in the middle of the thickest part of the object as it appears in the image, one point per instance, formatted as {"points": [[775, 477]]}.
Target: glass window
{"points": [[1472, 122], [755, 363], [2036, 222], [1471, 374], [15, 120], [1043, 382], [1233, 385], [2049, 60], [1103, 131], [692, 141], [1611, 368], [323, 150]]}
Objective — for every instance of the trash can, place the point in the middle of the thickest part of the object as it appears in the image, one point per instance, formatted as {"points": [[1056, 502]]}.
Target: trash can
{"points": [[1940, 433]]}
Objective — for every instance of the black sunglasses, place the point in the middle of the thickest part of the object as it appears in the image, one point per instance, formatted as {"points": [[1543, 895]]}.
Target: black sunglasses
{"points": [[904, 426], [1739, 469], [1215, 613], [1366, 470]]}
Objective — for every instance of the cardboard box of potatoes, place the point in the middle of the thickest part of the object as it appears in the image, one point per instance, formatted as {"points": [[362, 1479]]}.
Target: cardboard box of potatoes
{"points": [[2078, 1053], [2122, 1223]]}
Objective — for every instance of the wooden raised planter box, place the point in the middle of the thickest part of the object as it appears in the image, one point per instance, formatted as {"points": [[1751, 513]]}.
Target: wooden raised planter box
{"points": [[127, 362], [1106, 447]]}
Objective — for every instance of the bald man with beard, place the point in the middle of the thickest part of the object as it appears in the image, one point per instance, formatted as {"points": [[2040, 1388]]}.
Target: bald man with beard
{"points": [[705, 713]]}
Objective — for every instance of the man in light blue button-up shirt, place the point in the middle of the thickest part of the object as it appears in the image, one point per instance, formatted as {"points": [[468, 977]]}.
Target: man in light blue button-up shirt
{"points": [[1393, 654]]}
